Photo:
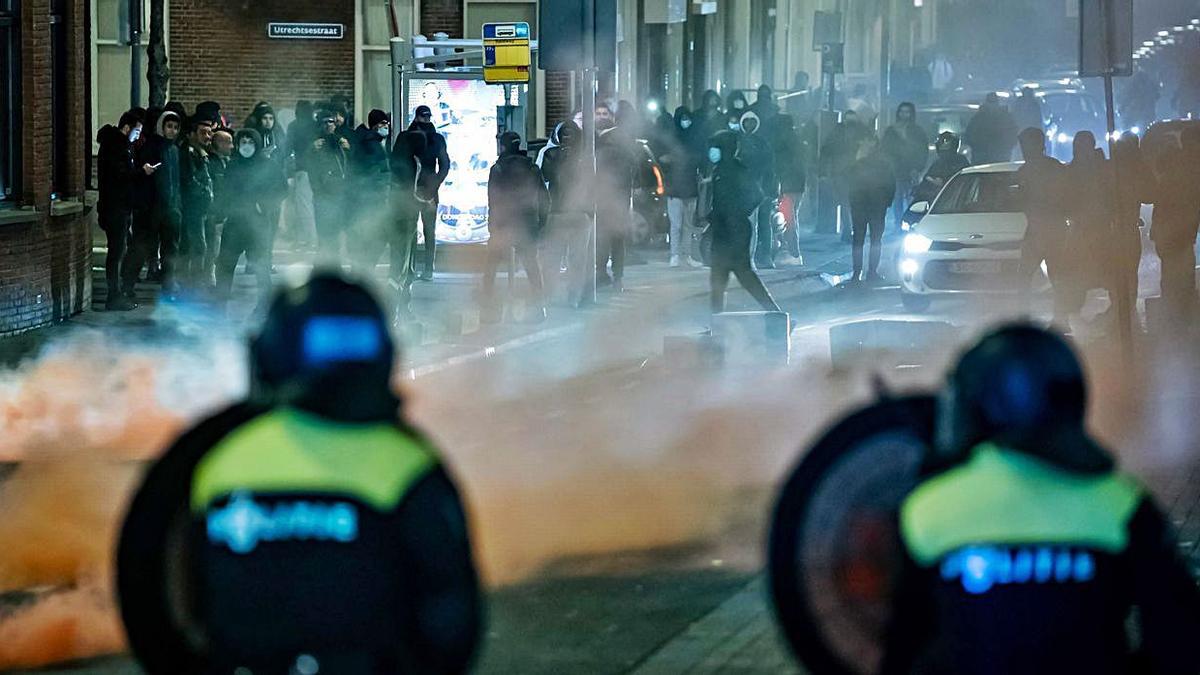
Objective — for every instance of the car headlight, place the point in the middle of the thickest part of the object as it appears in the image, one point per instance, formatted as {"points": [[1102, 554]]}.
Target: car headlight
{"points": [[1063, 138], [917, 243]]}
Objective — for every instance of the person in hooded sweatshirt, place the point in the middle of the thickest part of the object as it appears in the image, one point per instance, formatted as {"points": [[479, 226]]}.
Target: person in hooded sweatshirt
{"points": [[275, 148], [681, 164], [327, 161], [735, 195], [405, 165], [736, 104], [1090, 209], [115, 207], [872, 189], [569, 230], [907, 146], [518, 205], [759, 158], [370, 177], [252, 188], [435, 167], [710, 117], [158, 227]]}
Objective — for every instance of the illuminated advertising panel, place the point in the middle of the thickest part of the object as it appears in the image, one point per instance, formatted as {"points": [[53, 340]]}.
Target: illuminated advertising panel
{"points": [[464, 111]]}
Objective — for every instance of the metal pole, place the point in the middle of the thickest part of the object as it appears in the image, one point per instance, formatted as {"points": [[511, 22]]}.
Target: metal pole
{"points": [[1123, 307], [589, 124], [135, 60], [399, 114], [885, 62]]}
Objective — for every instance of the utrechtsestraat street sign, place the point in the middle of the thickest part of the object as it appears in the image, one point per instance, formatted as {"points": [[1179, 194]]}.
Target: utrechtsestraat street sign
{"points": [[306, 31]]}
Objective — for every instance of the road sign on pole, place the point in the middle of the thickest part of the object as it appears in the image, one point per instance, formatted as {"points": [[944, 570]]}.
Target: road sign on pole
{"points": [[1105, 38], [506, 53]]}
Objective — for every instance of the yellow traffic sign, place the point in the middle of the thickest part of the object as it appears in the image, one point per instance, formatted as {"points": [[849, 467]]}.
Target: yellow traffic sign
{"points": [[506, 56]]}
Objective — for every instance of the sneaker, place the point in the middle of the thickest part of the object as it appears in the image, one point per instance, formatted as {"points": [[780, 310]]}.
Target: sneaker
{"points": [[692, 262], [675, 262], [120, 303], [618, 286]]}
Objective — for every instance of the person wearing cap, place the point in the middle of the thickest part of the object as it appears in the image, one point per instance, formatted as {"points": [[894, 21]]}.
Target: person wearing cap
{"points": [[156, 228], [1025, 549], [518, 206], [197, 188], [274, 148], [308, 528], [370, 176], [328, 165], [435, 166]]}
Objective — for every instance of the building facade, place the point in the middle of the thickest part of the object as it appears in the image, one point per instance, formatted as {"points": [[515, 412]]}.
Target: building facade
{"points": [[45, 235]]}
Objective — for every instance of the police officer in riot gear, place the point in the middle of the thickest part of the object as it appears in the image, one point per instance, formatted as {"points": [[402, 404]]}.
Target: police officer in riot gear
{"points": [[308, 529], [1026, 550]]}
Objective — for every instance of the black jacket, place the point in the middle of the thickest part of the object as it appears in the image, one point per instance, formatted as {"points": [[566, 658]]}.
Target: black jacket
{"points": [[735, 195], [405, 168], [328, 167], [872, 182], [195, 177], [907, 146], [616, 170], [369, 162], [116, 170], [517, 198], [254, 186], [992, 134], [435, 161], [940, 172], [567, 177], [681, 160]]}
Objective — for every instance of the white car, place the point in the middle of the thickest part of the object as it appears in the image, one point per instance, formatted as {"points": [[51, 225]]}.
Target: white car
{"points": [[969, 240]]}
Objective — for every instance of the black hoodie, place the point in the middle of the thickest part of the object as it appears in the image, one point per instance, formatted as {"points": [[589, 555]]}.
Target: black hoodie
{"points": [[253, 185], [116, 170], [369, 161]]}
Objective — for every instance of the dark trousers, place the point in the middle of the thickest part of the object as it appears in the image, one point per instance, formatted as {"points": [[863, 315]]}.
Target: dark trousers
{"points": [[1178, 254], [429, 231], [395, 228], [1047, 243], [867, 220], [746, 276], [193, 245], [267, 256], [499, 251], [117, 225], [154, 230], [764, 245], [612, 231], [242, 235], [330, 221], [569, 237]]}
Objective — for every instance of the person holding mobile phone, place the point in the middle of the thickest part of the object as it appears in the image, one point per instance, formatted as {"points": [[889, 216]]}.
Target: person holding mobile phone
{"points": [[157, 225]]}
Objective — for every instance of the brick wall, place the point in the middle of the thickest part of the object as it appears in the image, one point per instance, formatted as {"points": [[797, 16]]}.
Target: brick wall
{"points": [[45, 263], [442, 16], [558, 98], [219, 50]]}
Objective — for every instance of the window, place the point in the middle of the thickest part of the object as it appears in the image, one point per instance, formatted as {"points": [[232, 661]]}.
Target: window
{"points": [[58, 97], [996, 192], [10, 95]]}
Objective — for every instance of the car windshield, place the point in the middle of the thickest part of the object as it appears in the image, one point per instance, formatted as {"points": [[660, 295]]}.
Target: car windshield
{"points": [[980, 193], [1068, 106]]}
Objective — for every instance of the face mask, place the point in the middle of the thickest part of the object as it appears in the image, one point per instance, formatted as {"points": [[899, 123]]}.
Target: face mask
{"points": [[685, 124], [734, 126], [135, 134], [714, 155], [382, 131], [247, 150], [738, 105]]}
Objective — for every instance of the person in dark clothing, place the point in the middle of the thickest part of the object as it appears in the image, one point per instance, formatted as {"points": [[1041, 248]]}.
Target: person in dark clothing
{"points": [[1027, 110], [302, 131], [1028, 550], [405, 166], [197, 189], [1090, 212], [313, 499], [872, 189], [735, 195], [435, 166], [1139, 100], [114, 209], [1135, 185], [210, 110], [907, 146], [158, 226], [792, 171], [1042, 181], [1175, 222], [616, 171], [710, 117], [569, 229], [991, 133], [947, 162], [765, 107], [252, 188], [837, 156], [370, 178], [517, 209], [735, 104], [300, 134], [681, 175], [219, 159], [275, 148], [757, 155], [327, 161]]}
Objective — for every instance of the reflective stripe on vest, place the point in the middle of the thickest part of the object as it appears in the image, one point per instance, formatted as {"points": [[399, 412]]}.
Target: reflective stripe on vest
{"points": [[1007, 497], [288, 451]]}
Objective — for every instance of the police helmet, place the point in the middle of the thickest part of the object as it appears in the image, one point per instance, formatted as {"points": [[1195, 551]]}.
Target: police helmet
{"points": [[1023, 388], [947, 141], [325, 347]]}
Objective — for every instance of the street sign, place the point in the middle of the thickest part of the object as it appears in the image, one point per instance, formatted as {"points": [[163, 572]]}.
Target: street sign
{"points": [[306, 31], [561, 43], [827, 29], [833, 58], [1105, 38], [506, 57]]}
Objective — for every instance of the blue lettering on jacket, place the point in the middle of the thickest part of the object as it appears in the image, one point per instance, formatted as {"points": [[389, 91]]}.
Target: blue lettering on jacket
{"points": [[981, 568], [242, 524]]}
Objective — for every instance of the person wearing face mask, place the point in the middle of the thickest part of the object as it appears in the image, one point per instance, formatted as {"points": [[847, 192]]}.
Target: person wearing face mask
{"points": [[158, 226], [435, 167], [569, 230], [252, 189], [907, 146], [681, 164], [736, 104], [115, 207], [405, 166], [756, 154], [710, 118], [328, 167], [367, 208], [616, 169], [735, 194]]}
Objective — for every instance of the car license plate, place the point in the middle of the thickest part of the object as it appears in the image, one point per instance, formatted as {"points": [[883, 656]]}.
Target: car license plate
{"points": [[976, 267]]}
